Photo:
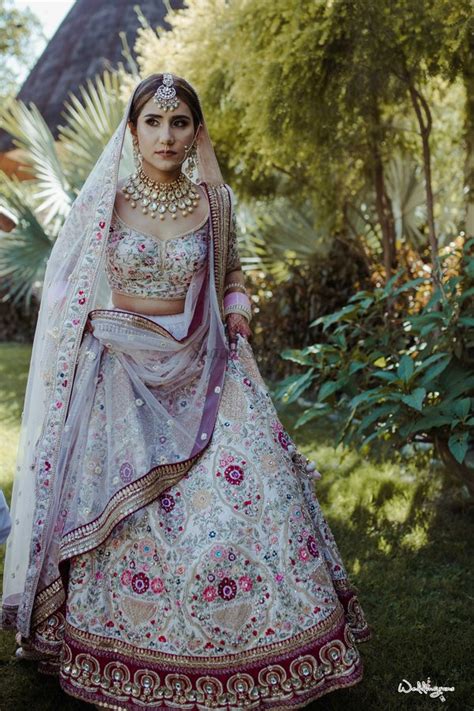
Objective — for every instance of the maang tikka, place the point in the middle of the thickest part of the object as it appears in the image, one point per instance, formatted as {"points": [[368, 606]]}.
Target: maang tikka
{"points": [[165, 96]]}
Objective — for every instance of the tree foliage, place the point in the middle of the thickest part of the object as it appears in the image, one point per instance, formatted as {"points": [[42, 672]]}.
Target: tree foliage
{"points": [[18, 28], [303, 97]]}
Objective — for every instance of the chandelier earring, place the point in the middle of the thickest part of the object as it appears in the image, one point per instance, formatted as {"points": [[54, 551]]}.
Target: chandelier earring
{"points": [[137, 156], [190, 155]]}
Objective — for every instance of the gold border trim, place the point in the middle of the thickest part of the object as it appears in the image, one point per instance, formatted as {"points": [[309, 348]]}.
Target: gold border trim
{"points": [[321, 630], [318, 693], [136, 320], [48, 601]]}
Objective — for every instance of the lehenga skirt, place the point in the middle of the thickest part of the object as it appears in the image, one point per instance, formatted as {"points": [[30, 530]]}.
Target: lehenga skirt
{"points": [[227, 592]]}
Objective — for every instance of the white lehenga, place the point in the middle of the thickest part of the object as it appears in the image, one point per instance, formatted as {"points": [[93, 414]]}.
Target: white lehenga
{"points": [[227, 589]]}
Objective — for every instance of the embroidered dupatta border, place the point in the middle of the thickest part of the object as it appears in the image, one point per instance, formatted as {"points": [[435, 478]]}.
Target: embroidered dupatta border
{"points": [[69, 340], [149, 487], [220, 204]]}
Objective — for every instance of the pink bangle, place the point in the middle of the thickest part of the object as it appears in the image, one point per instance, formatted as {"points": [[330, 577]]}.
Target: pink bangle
{"points": [[236, 298]]}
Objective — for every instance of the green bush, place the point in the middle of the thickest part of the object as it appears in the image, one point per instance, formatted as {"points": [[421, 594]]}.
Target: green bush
{"points": [[395, 377]]}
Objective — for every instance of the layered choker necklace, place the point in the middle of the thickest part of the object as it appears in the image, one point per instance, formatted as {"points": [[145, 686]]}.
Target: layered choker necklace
{"points": [[161, 198]]}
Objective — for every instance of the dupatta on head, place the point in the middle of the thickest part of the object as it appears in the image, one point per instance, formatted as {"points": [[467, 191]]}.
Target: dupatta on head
{"points": [[111, 389]]}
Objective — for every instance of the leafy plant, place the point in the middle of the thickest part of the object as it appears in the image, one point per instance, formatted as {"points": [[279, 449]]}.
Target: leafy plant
{"points": [[56, 171], [393, 377]]}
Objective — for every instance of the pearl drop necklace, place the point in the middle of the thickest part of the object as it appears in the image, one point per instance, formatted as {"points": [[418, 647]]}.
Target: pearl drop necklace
{"points": [[160, 198]]}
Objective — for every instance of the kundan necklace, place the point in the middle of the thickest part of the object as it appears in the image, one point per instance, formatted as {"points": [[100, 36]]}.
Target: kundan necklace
{"points": [[159, 198]]}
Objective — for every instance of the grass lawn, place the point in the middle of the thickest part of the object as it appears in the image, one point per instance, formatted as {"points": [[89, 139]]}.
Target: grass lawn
{"points": [[404, 539]]}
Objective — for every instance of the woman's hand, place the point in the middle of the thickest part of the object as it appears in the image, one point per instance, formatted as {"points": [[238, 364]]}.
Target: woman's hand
{"points": [[236, 323]]}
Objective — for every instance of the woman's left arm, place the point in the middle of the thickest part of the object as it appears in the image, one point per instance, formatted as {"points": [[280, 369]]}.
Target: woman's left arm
{"points": [[236, 323], [235, 282]]}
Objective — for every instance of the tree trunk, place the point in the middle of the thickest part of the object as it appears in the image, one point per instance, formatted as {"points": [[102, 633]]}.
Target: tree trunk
{"points": [[468, 77], [383, 203], [423, 114], [463, 472]]}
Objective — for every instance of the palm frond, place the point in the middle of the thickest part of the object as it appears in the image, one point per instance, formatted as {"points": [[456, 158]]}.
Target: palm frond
{"points": [[275, 233], [25, 250], [407, 193], [91, 120], [36, 142]]}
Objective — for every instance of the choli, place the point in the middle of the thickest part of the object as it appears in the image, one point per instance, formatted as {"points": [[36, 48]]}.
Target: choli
{"points": [[138, 264]]}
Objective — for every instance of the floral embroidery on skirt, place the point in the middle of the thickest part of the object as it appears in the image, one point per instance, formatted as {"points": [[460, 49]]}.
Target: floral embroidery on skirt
{"points": [[226, 592]]}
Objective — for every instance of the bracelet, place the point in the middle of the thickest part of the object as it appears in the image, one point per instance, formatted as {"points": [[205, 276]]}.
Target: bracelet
{"points": [[235, 297], [234, 284], [235, 302], [237, 309]]}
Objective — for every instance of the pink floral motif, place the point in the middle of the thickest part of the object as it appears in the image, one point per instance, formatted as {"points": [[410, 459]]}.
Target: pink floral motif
{"points": [[140, 583], [279, 434], [126, 472], [209, 593], [167, 502], [227, 589], [157, 585], [146, 548], [126, 577], [226, 460], [142, 247], [303, 554], [218, 553], [245, 583], [234, 474], [283, 439], [279, 577], [312, 546]]}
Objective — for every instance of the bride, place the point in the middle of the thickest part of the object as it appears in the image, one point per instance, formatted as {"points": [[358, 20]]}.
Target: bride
{"points": [[168, 550]]}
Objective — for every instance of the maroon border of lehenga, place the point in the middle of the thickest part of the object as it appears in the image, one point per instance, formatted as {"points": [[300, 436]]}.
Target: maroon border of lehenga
{"points": [[283, 675]]}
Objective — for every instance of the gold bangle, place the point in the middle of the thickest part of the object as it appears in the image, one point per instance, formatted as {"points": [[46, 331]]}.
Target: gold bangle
{"points": [[235, 284]]}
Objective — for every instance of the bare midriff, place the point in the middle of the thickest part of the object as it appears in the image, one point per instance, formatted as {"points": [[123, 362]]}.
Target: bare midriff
{"points": [[149, 306]]}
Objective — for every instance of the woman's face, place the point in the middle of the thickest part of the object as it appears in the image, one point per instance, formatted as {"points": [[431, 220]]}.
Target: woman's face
{"points": [[162, 136]]}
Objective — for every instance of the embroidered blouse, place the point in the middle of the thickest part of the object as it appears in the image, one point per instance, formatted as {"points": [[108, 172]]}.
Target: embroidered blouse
{"points": [[142, 265], [139, 264]]}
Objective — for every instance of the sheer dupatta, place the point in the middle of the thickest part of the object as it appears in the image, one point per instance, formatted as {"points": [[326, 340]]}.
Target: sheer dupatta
{"points": [[90, 362]]}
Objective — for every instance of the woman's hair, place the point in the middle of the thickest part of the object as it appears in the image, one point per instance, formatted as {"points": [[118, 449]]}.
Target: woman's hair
{"points": [[146, 89]]}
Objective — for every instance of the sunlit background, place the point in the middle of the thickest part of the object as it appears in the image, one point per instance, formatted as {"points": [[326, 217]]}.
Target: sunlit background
{"points": [[50, 15]]}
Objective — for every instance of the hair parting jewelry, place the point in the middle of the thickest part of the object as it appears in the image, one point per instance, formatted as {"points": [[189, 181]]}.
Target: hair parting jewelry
{"points": [[165, 96]]}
